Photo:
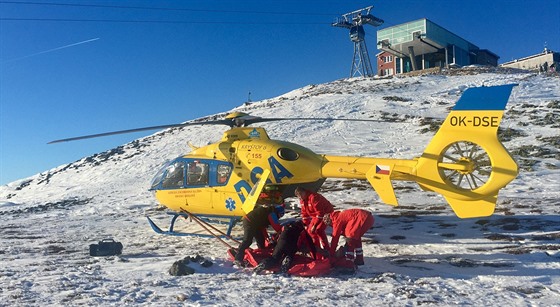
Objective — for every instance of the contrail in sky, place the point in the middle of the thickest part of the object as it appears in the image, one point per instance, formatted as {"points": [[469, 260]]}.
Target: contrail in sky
{"points": [[51, 50]]}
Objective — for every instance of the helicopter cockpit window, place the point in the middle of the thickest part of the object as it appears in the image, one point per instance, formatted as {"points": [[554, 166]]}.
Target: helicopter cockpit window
{"points": [[159, 176], [175, 176], [223, 173], [287, 154], [197, 173]]}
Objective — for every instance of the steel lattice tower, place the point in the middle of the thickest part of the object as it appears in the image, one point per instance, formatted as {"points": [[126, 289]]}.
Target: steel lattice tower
{"points": [[355, 21]]}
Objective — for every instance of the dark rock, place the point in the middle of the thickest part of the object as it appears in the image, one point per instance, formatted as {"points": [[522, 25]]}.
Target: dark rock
{"points": [[180, 268], [196, 258]]}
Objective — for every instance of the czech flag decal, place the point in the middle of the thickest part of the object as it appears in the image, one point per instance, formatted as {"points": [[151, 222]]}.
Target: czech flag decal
{"points": [[382, 169]]}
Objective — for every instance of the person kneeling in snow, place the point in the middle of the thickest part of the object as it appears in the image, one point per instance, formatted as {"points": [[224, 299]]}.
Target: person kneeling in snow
{"points": [[254, 227], [292, 239], [353, 224]]}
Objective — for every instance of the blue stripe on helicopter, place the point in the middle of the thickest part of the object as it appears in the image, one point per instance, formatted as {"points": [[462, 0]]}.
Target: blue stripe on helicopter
{"points": [[484, 98]]}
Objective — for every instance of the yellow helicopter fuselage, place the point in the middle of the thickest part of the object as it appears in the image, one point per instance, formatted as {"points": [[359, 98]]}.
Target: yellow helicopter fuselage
{"points": [[232, 166], [465, 162]]}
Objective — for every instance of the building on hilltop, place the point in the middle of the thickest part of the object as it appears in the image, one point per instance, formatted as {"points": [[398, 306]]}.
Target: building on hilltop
{"points": [[386, 63], [545, 61], [422, 44]]}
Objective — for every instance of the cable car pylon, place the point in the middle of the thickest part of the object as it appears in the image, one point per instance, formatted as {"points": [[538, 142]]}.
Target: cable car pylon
{"points": [[355, 21]]}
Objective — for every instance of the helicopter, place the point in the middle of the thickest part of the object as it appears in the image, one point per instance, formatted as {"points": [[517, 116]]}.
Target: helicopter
{"points": [[464, 162]]}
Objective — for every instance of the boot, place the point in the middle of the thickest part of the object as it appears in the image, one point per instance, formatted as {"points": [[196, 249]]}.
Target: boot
{"points": [[349, 254], [359, 257], [259, 268], [286, 264], [359, 261]]}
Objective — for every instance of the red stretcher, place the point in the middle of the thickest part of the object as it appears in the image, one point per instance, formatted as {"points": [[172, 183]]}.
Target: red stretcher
{"points": [[301, 265]]}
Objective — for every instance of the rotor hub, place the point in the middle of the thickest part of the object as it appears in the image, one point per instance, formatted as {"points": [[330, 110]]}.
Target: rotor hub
{"points": [[465, 165], [468, 164]]}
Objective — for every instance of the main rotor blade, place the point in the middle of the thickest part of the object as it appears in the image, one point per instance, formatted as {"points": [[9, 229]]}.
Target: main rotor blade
{"points": [[238, 121], [212, 122], [270, 119]]}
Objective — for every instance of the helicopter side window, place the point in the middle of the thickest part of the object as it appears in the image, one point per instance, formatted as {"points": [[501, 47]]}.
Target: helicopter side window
{"points": [[287, 154], [223, 173], [175, 176], [197, 173]]}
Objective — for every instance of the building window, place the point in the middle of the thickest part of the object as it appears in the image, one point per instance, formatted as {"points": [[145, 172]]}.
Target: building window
{"points": [[388, 59], [388, 72]]}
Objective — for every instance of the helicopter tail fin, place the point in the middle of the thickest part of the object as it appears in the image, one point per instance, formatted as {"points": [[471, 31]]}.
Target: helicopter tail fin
{"points": [[465, 161], [379, 177]]}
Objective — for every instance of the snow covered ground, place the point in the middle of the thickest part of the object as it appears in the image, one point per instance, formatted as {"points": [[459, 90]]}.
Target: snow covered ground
{"points": [[419, 253]]}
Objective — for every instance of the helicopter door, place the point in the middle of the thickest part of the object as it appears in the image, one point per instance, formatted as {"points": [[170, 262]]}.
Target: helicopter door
{"points": [[251, 200], [224, 197]]}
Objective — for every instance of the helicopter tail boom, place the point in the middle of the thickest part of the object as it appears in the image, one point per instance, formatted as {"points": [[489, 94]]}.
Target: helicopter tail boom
{"points": [[377, 171], [465, 162]]}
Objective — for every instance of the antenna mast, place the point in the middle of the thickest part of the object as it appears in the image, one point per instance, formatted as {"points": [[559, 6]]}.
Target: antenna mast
{"points": [[361, 65]]}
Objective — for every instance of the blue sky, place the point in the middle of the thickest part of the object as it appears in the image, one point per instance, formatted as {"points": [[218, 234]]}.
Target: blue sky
{"points": [[68, 70]]}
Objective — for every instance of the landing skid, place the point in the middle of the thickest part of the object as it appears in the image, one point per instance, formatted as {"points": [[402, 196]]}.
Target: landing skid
{"points": [[208, 219]]}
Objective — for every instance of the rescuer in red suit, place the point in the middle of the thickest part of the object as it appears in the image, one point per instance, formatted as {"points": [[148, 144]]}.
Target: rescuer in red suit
{"points": [[352, 224], [314, 207]]}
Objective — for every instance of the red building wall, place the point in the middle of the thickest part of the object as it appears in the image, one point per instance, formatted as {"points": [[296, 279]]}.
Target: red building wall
{"points": [[386, 64]]}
